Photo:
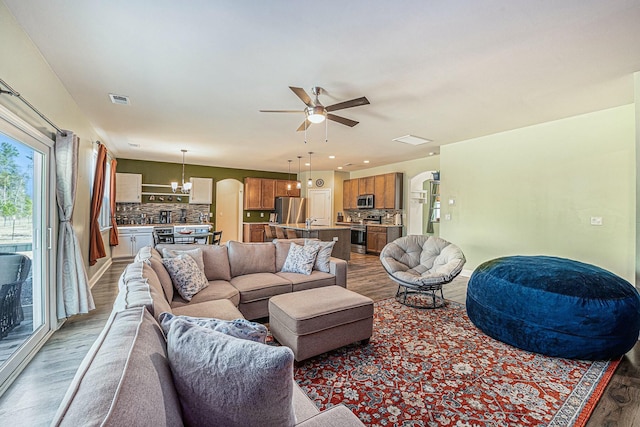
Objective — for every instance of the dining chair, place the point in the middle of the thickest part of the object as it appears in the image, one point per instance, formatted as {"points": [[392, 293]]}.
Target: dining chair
{"points": [[216, 238]]}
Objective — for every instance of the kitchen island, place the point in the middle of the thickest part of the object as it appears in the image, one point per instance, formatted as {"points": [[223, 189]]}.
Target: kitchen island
{"points": [[340, 234]]}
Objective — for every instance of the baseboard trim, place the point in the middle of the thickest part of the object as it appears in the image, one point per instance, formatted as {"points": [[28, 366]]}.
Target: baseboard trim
{"points": [[103, 269], [466, 273]]}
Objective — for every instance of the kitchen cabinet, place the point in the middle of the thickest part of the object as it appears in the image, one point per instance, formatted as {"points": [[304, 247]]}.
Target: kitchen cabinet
{"points": [[350, 194], [388, 191], [283, 191], [128, 187], [366, 185], [201, 191], [259, 194], [252, 233], [130, 240], [378, 237]]}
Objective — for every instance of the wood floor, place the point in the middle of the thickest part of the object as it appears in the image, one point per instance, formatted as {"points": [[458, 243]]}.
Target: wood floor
{"points": [[34, 398]]}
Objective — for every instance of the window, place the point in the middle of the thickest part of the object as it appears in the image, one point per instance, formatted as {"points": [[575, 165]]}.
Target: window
{"points": [[104, 220]]}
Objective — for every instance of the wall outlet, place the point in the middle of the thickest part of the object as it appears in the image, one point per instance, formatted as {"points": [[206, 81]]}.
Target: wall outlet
{"points": [[248, 214], [452, 201], [596, 220], [335, 238], [261, 214], [447, 217]]}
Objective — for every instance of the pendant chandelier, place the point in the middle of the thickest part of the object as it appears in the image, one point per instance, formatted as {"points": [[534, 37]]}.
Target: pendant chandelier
{"points": [[298, 183], [186, 186]]}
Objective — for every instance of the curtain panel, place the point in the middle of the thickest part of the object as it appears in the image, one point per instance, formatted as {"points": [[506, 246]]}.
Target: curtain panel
{"points": [[113, 233], [96, 245], [73, 294]]}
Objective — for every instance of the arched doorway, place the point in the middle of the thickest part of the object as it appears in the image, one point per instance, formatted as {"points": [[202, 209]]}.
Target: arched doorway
{"points": [[418, 208], [229, 197]]}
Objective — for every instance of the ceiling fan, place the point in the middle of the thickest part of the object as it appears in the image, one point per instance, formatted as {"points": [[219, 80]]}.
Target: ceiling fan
{"points": [[315, 112]]}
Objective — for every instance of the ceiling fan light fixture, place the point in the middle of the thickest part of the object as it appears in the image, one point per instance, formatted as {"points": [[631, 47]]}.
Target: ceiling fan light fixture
{"points": [[316, 114]]}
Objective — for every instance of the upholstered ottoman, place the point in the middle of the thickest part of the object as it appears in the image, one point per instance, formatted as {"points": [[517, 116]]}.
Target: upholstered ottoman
{"points": [[317, 320], [554, 306]]}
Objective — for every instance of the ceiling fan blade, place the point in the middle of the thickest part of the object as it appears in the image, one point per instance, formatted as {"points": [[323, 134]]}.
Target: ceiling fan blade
{"points": [[304, 124], [302, 95], [342, 120], [348, 104], [282, 111]]}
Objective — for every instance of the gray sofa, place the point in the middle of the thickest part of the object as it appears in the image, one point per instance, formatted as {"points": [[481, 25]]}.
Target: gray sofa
{"points": [[126, 378]]}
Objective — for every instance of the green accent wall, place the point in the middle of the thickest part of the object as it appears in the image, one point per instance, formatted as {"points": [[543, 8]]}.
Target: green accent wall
{"points": [[164, 173], [534, 190]]}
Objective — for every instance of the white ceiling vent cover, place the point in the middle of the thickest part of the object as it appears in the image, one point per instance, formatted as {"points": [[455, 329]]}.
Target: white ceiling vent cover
{"points": [[119, 99], [412, 139]]}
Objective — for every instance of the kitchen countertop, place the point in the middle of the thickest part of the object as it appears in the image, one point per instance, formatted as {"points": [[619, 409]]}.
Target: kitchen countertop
{"points": [[302, 227], [174, 224], [348, 224]]}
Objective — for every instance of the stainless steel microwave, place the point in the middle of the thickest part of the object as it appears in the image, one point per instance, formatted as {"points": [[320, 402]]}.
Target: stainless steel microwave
{"points": [[365, 201]]}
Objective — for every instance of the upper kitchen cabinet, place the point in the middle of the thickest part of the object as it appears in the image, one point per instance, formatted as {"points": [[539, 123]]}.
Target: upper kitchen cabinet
{"points": [[350, 194], [282, 188], [366, 185], [201, 191], [259, 194], [128, 187], [388, 191]]}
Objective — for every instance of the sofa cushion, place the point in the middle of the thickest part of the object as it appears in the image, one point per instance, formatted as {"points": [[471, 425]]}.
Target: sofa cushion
{"points": [[232, 381], [127, 361], [238, 328], [248, 258], [300, 259], [324, 254], [163, 277], [220, 309], [258, 286], [216, 262], [187, 278], [141, 293], [217, 289], [146, 253], [316, 279], [195, 253], [282, 249]]}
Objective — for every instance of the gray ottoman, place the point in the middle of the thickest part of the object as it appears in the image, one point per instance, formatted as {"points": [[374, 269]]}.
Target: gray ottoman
{"points": [[317, 320]]}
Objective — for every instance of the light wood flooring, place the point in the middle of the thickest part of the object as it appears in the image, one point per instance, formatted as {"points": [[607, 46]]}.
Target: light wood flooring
{"points": [[34, 397]]}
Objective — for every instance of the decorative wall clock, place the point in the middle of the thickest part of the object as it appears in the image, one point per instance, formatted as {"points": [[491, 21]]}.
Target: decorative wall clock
{"points": [[319, 182]]}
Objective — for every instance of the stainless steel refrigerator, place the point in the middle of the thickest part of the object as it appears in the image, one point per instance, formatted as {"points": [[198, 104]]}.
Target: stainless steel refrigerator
{"points": [[291, 210]]}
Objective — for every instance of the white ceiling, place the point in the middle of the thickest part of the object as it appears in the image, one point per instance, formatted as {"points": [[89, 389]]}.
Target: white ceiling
{"points": [[198, 71]]}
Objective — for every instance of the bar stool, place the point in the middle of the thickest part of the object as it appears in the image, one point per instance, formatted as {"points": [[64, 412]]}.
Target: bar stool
{"points": [[291, 234], [268, 233], [280, 233]]}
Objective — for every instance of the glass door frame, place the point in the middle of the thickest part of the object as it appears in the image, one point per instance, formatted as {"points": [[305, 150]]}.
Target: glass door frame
{"points": [[45, 216]]}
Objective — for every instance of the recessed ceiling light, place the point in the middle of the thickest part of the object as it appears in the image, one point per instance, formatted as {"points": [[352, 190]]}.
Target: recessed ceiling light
{"points": [[366, 161], [412, 139], [332, 157], [119, 99], [307, 164], [339, 167]]}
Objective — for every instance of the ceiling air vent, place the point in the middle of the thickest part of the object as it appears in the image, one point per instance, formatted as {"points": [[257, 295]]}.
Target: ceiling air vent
{"points": [[119, 99], [412, 139]]}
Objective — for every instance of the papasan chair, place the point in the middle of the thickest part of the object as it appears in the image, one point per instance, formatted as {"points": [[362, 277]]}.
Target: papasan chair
{"points": [[421, 265]]}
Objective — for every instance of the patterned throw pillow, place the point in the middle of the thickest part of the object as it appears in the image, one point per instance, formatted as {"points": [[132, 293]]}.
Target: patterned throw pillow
{"points": [[196, 254], [238, 328], [229, 381], [324, 254], [187, 278], [300, 259]]}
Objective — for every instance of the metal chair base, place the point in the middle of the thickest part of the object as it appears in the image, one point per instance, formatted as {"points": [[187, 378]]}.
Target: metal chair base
{"points": [[404, 292]]}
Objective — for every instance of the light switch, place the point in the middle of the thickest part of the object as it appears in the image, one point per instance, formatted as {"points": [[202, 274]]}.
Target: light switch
{"points": [[447, 217], [261, 214], [452, 201], [596, 220], [335, 238], [248, 214]]}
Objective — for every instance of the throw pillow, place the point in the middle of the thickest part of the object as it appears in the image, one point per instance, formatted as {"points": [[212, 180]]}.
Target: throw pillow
{"points": [[238, 328], [227, 381], [300, 259], [187, 278], [196, 254], [324, 254]]}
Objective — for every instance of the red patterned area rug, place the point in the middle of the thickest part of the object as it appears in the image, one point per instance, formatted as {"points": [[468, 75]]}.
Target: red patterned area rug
{"points": [[435, 368]]}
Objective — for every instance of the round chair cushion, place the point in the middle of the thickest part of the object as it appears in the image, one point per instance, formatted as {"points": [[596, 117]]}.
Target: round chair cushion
{"points": [[555, 306]]}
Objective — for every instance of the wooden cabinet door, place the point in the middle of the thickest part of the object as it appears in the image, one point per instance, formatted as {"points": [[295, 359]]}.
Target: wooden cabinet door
{"points": [[252, 193], [390, 191], [346, 194], [366, 185], [128, 187], [257, 233], [268, 197], [201, 191], [354, 186], [379, 191], [285, 188], [295, 191]]}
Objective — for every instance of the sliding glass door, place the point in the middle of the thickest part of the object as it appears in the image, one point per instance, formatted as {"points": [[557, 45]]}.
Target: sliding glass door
{"points": [[25, 243]]}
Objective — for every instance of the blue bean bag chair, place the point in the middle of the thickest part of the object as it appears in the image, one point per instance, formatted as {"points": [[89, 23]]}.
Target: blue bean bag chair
{"points": [[555, 306]]}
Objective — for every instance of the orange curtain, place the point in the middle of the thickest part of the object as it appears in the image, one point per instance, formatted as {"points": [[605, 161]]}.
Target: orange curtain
{"points": [[113, 233], [96, 246]]}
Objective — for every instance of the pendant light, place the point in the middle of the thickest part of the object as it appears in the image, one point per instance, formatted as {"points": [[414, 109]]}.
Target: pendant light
{"points": [[186, 186], [289, 176], [298, 183], [310, 181]]}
